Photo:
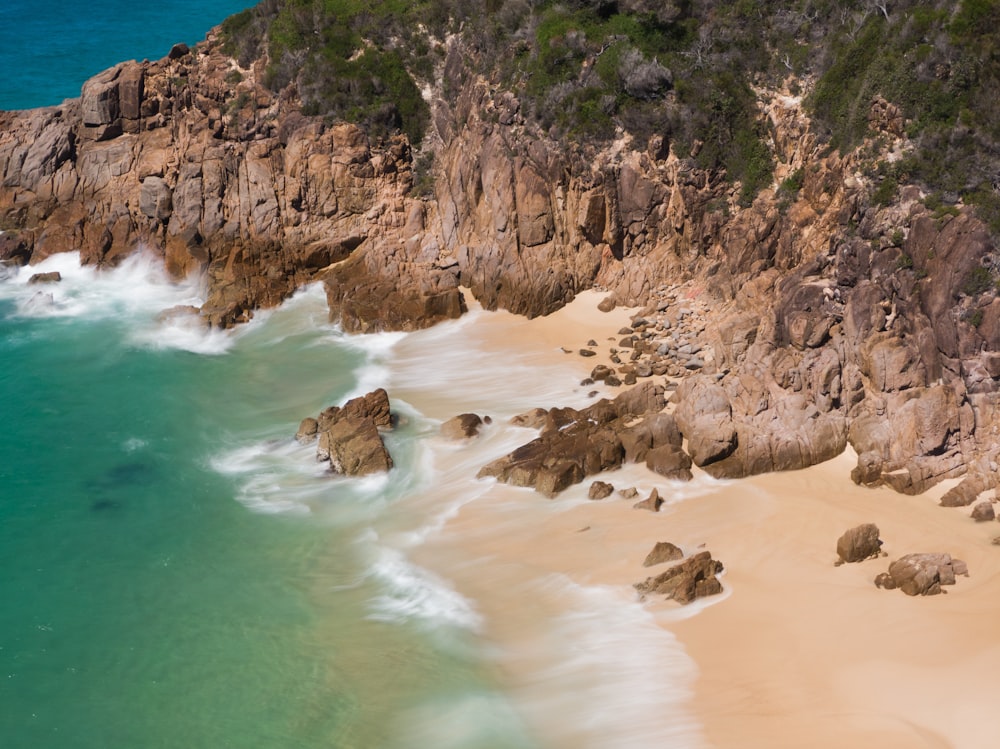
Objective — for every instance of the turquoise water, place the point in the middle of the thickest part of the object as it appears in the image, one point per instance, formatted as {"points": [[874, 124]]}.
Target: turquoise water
{"points": [[48, 48], [175, 570]]}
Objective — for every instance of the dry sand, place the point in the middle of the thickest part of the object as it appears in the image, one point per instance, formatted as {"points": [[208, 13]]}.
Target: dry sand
{"points": [[797, 652]]}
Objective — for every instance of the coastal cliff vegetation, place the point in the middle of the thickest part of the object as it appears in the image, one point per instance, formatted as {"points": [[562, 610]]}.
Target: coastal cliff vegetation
{"points": [[590, 70]]}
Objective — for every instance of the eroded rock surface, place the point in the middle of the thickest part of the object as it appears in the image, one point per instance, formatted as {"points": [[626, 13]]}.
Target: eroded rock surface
{"points": [[859, 543], [922, 574], [576, 444], [348, 437], [695, 577]]}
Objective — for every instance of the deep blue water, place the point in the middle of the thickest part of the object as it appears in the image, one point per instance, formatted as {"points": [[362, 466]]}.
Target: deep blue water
{"points": [[48, 48]]}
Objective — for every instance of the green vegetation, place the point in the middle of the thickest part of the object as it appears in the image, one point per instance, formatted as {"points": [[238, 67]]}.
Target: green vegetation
{"points": [[977, 281], [349, 59], [940, 64], [588, 70]]}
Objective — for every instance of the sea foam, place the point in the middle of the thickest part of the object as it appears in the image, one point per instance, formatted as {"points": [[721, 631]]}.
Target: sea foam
{"points": [[607, 670], [137, 292]]}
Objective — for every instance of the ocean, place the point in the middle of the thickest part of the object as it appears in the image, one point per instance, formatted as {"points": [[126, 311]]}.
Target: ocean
{"points": [[177, 571]]}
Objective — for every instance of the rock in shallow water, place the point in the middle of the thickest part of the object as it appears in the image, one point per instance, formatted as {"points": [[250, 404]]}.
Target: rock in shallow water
{"points": [[349, 435], [463, 426]]}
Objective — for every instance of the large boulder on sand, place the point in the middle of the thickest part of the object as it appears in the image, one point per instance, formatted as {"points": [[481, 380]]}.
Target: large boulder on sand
{"points": [[664, 551], [693, 578], [922, 574], [983, 512], [574, 444], [859, 543]]}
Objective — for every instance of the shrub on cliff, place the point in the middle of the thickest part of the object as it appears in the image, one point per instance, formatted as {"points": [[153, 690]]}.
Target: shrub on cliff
{"points": [[348, 59]]}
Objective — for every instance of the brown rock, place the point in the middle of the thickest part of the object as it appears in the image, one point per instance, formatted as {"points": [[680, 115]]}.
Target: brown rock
{"points": [[859, 543], [629, 492], [354, 447], [983, 512], [670, 462], [307, 430], [373, 406], [600, 490], [533, 419], [693, 578], [552, 479], [49, 277], [607, 304], [923, 574], [652, 503], [664, 551], [463, 426]]}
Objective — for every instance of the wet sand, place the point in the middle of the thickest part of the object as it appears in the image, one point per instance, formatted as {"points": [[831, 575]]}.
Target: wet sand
{"points": [[796, 652]]}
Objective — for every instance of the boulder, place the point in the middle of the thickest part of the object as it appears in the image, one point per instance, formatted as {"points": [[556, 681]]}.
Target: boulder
{"points": [[983, 512], [373, 406], [349, 435], [463, 426], [670, 462], [533, 419], [652, 503], [693, 578], [922, 574], [49, 277], [664, 551], [600, 490], [307, 430], [859, 543], [354, 447]]}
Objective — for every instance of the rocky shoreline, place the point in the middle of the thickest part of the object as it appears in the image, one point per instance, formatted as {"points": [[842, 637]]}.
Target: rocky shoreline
{"points": [[793, 326]]}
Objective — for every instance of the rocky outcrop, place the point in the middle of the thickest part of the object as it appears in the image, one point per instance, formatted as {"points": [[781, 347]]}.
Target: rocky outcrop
{"points": [[695, 577], [348, 436], [600, 490], [662, 552], [922, 574], [463, 426], [576, 444], [798, 323], [983, 512], [858, 544], [192, 158]]}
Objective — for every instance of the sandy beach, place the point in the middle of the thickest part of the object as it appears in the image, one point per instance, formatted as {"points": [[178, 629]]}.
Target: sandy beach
{"points": [[797, 651]]}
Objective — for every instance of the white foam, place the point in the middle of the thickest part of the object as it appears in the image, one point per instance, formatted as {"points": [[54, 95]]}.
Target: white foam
{"points": [[139, 284], [413, 593], [133, 444], [137, 291], [609, 672], [459, 721]]}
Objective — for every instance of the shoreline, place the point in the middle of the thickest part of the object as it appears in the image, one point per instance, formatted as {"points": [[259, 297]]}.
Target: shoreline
{"points": [[796, 651]]}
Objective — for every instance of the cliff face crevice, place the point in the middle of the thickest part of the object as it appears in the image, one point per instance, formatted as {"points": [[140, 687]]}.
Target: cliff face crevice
{"points": [[832, 318]]}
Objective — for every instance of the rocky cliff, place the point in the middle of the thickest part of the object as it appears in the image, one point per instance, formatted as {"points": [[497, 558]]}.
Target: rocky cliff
{"points": [[832, 317]]}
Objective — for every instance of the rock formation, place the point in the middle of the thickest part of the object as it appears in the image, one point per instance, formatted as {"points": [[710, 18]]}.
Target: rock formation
{"points": [[348, 435], [576, 444], [664, 551], [859, 544], [693, 578], [463, 426], [798, 322], [922, 574]]}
